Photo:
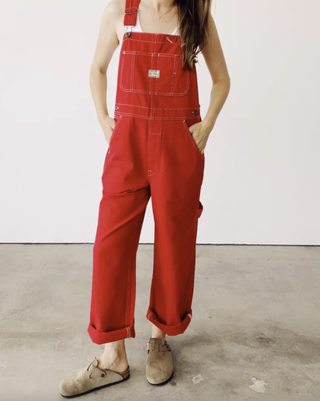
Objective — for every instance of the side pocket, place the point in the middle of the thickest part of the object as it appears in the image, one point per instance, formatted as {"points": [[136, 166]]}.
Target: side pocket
{"points": [[115, 129], [118, 119], [186, 128], [200, 209]]}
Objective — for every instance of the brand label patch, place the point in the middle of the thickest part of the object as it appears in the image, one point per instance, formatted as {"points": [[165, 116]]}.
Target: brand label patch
{"points": [[154, 73]]}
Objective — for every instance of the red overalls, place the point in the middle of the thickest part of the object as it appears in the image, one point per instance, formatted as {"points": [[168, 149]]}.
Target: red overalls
{"points": [[151, 153]]}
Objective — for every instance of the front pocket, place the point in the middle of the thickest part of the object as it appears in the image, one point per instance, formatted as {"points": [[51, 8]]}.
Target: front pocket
{"points": [[195, 146], [153, 73]]}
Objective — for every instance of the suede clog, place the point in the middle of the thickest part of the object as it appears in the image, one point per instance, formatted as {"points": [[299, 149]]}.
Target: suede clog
{"points": [[159, 366], [90, 378]]}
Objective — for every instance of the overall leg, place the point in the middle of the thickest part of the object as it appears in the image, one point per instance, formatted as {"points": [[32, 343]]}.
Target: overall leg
{"points": [[121, 213], [175, 191]]}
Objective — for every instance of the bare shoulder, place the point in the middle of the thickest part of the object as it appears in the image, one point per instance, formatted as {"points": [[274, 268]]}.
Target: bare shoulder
{"points": [[112, 18], [114, 11]]}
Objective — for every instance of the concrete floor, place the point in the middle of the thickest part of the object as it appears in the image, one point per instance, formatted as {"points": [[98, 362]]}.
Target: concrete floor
{"points": [[255, 332]]}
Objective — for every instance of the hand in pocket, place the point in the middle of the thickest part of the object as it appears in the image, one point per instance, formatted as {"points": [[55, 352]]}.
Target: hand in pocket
{"points": [[108, 125], [199, 135]]}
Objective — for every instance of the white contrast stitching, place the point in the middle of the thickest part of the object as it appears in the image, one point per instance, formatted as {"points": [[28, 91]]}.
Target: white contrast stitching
{"points": [[157, 118], [159, 108], [131, 89]]}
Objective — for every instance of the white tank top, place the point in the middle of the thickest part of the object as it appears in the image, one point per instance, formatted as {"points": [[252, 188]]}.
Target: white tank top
{"points": [[137, 27]]}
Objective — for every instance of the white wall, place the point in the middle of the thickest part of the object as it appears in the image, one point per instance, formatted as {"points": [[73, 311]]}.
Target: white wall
{"points": [[261, 183]]}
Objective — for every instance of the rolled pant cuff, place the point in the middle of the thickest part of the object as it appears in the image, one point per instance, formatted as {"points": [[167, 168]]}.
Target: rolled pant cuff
{"points": [[170, 330], [100, 337]]}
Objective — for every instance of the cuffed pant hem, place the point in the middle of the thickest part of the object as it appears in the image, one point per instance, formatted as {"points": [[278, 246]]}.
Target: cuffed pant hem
{"points": [[170, 330], [100, 337]]}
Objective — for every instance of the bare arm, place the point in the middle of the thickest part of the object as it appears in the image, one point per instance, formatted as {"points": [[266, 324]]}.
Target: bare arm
{"points": [[216, 64], [106, 45]]}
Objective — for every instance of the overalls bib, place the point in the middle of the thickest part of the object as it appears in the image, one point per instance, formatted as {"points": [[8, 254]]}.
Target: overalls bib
{"points": [[151, 154]]}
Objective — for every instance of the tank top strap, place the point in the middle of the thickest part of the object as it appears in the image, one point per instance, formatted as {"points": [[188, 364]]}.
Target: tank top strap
{"points": [[130, 16]]}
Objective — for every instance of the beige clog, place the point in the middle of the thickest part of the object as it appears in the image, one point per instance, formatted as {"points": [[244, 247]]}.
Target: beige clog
{"points": [[159, 366], [90, 378]]}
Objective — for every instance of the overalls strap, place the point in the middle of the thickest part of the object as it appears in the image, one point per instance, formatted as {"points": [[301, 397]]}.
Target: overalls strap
{"points": [[130, 15]]}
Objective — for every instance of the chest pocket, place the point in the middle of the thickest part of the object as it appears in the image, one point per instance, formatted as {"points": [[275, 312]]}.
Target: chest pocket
{"points": [[153, 73]]}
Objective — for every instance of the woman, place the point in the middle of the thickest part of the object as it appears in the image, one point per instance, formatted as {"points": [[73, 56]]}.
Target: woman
{"points": [[156, 149]]}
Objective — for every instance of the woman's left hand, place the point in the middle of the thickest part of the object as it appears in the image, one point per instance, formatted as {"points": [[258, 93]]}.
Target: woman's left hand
{"points": [[200, 133]]}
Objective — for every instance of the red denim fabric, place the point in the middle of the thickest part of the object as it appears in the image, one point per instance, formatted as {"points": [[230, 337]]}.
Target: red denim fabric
{"points": [[151, 154]]}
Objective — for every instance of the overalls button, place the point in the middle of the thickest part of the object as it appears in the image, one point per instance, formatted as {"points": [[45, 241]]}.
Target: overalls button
{"points": [[128, 34], [195, 111]]}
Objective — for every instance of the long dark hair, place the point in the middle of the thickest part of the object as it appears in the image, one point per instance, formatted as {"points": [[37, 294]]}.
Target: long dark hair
{"points": [[193, 21]]}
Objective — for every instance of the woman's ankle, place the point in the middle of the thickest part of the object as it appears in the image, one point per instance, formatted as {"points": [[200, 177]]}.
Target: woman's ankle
{"points": [[157, 333], [114, 354], [117, 362]]}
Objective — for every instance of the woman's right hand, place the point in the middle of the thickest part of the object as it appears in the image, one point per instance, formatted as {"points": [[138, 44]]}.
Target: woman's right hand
{"points": [[107, 124]]}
